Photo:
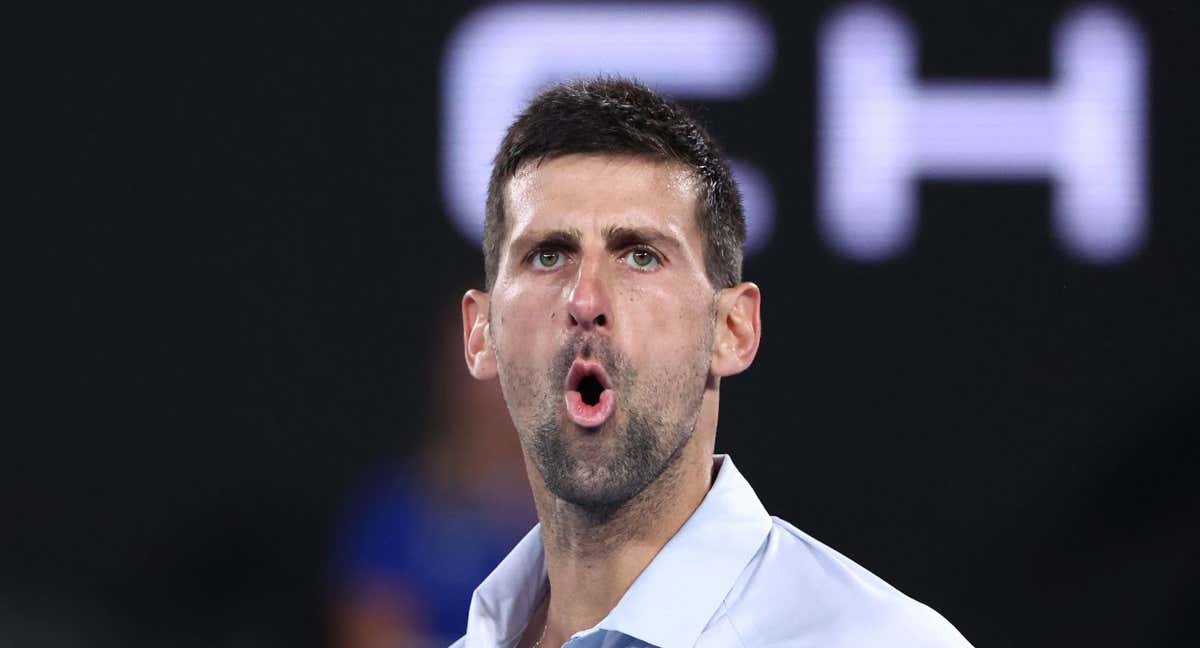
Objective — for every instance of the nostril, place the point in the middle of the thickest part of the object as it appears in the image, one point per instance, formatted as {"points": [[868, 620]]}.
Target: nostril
{"points": [[600, 320], [572, 318]]}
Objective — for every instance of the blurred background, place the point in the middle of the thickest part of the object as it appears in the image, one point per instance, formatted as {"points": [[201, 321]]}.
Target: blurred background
{"points": [[242, 417]]}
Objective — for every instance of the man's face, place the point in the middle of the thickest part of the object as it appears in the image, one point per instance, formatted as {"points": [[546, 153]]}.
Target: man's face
{"points": [[602, 320]]}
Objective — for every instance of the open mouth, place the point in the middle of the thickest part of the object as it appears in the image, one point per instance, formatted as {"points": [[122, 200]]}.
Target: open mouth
{"points": [[589, 390], [589, 397]]}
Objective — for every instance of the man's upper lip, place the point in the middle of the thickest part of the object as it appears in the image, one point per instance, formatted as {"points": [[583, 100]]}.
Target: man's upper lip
{"points": [[581, 368]]}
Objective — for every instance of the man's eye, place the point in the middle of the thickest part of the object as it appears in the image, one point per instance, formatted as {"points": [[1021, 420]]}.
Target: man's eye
{"points": [[641, 259], [548, 259]]}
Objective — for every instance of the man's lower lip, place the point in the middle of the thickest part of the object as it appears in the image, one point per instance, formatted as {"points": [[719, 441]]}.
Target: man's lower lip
{"points": [[590, 416]]}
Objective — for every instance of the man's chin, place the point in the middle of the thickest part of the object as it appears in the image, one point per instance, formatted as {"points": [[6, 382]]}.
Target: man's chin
{"points": [[598, 468], [586, 473]]}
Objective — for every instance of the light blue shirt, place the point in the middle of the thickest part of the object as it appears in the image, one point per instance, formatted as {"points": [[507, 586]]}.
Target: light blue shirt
{"points": [[732, 576]]}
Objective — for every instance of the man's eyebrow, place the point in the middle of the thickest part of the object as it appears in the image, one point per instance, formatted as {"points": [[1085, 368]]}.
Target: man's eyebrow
{"points": [[617, 237], [568, 239]]}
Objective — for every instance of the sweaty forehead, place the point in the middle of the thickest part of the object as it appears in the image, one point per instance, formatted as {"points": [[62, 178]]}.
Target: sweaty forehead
{"points": [[585, 191]]}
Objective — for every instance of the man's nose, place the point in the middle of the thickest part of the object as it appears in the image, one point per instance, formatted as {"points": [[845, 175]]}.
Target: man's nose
{"points": [[588, 303]]}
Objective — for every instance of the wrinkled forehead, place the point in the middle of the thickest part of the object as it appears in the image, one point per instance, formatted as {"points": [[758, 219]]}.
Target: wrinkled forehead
{"points": [[591, 191]]}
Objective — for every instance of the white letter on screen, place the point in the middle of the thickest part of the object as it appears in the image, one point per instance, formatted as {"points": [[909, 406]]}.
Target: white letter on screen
{"points": [[881, 128]]}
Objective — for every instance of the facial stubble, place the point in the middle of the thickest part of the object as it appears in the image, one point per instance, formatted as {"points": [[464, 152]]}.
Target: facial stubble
{"points": [[657, 413]]}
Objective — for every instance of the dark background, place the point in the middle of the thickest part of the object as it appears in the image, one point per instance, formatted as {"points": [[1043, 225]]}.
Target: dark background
{"points": [[239, 252]]}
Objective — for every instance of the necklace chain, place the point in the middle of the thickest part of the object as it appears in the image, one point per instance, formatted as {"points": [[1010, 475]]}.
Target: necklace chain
{"points": [[546, 623], [538, 643]]}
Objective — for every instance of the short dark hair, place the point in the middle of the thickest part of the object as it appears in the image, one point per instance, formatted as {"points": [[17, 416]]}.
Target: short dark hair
{"points": [[623, 117]]}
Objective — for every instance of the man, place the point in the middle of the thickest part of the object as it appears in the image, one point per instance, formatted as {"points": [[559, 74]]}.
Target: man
{"points": [[614, 307]]}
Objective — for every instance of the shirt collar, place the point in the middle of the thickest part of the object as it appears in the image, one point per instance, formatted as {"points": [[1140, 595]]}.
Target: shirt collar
{"points": [[671, 601], [504, 601]]}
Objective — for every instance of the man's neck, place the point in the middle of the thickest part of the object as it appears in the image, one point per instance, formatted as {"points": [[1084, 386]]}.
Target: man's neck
{"points": [[592, 560]]}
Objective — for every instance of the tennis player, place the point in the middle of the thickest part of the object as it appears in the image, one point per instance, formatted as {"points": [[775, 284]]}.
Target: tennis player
{"points": [[614, 308]]}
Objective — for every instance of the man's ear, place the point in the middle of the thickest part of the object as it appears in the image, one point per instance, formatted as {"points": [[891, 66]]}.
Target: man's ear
{"points": [[477, 336], [739, 329]]}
